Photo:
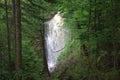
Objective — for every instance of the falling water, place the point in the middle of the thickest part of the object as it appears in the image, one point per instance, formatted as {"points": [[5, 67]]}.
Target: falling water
{"points": [[55, 40]]}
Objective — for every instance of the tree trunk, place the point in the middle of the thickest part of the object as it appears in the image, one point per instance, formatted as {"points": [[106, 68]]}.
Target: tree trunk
{"points": [[14, 25], [14, 29], [18, 42], [8, 37]]}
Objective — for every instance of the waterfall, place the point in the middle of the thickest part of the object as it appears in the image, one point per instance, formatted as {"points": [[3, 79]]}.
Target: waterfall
{"points": [[54, 39]]}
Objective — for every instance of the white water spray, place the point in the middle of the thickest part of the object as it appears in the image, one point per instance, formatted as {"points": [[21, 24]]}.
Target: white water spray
{"points": [[55, 40]]}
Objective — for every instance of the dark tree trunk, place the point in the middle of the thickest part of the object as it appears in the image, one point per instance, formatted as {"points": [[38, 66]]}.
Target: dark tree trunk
{"points": [[14, 25], [8, 37], [18, 43], [14, 30]]}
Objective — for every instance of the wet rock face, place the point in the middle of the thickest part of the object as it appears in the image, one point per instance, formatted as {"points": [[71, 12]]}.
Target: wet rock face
{"points": [[55, 40]]}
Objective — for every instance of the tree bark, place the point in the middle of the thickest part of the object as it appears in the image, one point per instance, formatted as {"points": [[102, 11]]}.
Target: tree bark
{"points": [[18, 43], [13, 9], [8, 37]]}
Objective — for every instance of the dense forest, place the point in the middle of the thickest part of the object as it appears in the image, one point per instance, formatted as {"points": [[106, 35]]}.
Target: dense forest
{"points": [[92, 50]]}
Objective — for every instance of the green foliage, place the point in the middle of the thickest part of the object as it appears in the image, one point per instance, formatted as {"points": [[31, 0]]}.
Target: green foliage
{"points": [[95, 29], [93, 45], [33, 17]]}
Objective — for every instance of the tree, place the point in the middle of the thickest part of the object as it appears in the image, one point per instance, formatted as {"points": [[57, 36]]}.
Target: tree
{"points": [[8, 37], [18, 40]]}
